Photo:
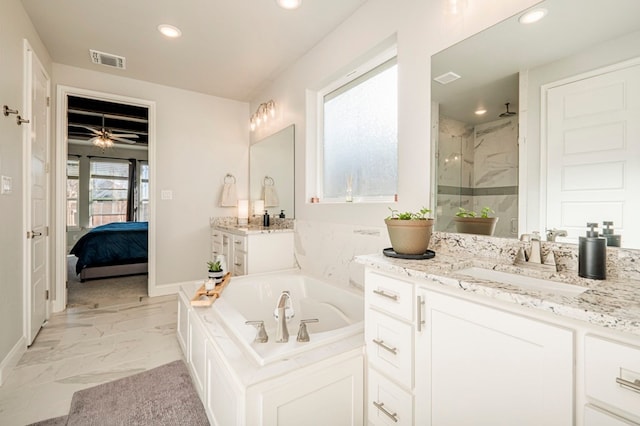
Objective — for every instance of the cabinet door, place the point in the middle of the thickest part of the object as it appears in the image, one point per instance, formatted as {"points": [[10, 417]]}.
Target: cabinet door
{"points": [[224, 401], [182, 329], [197, 350], [491, 367]]}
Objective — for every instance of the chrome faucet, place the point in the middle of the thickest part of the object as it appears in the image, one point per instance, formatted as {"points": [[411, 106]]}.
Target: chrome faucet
{"points": [[283, 312], [261, 334]]}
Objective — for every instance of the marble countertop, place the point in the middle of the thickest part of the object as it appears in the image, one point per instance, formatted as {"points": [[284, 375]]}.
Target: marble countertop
{"points": [[253, 229], [612, 304]]}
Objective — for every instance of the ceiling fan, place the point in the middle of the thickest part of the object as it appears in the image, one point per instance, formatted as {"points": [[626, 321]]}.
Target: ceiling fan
{"points": [[104, 138]]}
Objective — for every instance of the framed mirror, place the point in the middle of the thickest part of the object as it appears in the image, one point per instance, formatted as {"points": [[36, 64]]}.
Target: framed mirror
{"points": [[499, 158], [271, 172]]}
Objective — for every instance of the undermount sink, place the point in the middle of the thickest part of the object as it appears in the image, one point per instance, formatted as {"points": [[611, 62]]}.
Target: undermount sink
{"points": [[523, 281]]}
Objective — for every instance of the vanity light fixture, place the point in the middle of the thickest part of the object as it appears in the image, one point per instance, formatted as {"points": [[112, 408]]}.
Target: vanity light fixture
{"points": [[533, 16], [263, 113], [289, 4], [169, 30]]}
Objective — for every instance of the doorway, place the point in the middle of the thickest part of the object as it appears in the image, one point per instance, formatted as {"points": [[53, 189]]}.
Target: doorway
{"points": [[105, 168]]}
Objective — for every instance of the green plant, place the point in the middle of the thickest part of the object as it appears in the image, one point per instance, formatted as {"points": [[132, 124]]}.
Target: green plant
{"points": [[484, 213], [214, 266], [419, 215]]}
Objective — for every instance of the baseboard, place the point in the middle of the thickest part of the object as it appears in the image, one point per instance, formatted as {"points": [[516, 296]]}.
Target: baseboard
{"points": [[165, 289], [12, 358]]}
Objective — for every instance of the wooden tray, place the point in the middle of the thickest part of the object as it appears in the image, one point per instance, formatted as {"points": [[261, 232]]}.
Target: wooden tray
{"points": [[204, 298]]}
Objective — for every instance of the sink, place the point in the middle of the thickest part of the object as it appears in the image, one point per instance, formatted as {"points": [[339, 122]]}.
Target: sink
{"points": [[522, 281]]}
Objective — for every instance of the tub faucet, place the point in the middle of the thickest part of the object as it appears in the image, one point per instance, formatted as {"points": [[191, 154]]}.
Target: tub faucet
{"points": [[303, 334], [284, 311]]}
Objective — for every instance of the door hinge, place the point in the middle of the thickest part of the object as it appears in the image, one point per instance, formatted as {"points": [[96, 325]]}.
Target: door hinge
{"points": [[29, 235], [48, 101], [46, 231], [46, 294]]}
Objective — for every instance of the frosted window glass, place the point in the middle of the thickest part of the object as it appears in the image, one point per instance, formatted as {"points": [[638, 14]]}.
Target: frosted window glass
{"points": [[361, 138]]}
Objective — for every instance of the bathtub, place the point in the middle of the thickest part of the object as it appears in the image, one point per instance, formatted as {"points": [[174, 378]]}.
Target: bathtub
{"points": [[340, 312]]}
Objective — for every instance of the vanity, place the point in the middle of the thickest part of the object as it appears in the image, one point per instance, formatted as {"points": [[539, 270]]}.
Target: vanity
{"points": [[253, 248], [447, 345]]}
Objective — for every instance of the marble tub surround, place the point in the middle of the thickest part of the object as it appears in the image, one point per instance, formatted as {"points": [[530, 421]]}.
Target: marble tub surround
{"points": [[254, 226], [613, 303]]}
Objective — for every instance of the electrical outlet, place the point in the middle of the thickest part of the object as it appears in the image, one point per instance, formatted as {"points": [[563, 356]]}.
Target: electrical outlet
{"points": [[166, 194], [6, 185]]}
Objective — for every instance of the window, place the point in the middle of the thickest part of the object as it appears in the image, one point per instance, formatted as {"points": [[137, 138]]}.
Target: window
{"points": [[143, 201], [73, 189], [359, 155], [108, 189]]}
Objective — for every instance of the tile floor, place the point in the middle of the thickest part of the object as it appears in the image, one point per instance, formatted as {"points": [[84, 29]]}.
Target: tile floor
{"points": [[84, 347]]}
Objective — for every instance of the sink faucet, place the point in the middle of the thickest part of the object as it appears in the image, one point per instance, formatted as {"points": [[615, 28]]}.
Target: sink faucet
{"points": [[553, 233], [283, 312], [533, 257]]}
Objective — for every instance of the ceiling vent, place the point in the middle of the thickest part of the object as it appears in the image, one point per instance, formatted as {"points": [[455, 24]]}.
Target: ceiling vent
{"points": [[107, 59], [447, 77]]}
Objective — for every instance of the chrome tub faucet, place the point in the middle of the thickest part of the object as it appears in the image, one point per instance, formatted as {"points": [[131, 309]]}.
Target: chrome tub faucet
{"points": [[283, 312]]}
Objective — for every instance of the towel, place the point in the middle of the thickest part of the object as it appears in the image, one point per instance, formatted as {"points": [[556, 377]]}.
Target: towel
{"points": [[229, 195], [270, 196]]}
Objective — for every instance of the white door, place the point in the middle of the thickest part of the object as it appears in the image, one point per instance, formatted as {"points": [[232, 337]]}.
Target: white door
{"points": [[593, 154], [36, 186]]}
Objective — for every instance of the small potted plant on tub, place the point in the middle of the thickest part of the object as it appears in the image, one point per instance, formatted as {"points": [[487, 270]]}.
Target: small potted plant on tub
{"points": [[470, 222], [409, 232], [215, 271]]}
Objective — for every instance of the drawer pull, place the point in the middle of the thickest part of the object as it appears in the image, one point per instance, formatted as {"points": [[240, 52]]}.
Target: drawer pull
{"points": [[237, 242], [634, 386], [385, 346], [421, 321], [380, 406], [387, 295], [238, 264]]}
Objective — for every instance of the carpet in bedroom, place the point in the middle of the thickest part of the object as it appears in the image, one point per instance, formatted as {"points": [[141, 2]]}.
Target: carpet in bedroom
{"points": [[161, 396], [103, 292]]}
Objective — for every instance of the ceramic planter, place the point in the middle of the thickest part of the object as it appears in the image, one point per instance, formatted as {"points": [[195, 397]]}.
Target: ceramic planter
{"points": [[409, 236], [476, 225], [217, 276]]}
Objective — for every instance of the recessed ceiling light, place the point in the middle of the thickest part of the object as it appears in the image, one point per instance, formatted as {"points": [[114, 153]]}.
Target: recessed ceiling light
{"points": [[481, 111], [289, 4], [533, 16], [169, 30]]}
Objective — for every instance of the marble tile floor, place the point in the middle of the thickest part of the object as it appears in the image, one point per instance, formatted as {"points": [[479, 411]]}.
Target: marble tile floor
{"points": [[84, 347]]}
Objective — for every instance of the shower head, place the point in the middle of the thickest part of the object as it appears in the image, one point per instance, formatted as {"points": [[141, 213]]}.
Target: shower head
{"points": [[507, 113]]}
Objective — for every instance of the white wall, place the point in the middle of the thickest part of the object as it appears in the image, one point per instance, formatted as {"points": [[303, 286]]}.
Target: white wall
{"points": [[14, 27], [422, 28], [199, 138]]}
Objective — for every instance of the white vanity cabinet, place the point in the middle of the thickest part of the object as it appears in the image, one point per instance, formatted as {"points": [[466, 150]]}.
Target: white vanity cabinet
{"points": [[486, 366], [434, 359], [254, 252]]}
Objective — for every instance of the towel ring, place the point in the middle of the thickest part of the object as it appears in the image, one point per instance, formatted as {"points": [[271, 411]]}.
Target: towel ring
{"points": [[268, 181], [229, 178]]}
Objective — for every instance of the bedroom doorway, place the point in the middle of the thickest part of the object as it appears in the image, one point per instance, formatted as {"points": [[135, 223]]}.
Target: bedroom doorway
{"points": [[105, 176]]}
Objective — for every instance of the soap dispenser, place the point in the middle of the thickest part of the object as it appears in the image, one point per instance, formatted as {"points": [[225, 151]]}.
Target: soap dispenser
{"points": [[265, 218], [613, 240], [592, 254], [282, 216]]}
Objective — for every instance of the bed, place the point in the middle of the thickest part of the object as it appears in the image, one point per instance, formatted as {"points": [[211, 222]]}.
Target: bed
{"points": [[112, 250]]}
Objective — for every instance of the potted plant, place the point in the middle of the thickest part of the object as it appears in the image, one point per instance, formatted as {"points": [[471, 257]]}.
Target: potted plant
{"points": [[215, 271], [469, 222], [409, 232]]}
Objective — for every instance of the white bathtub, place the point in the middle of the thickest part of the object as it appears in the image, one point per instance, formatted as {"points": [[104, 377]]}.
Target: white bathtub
{"points": [[253, 297]]}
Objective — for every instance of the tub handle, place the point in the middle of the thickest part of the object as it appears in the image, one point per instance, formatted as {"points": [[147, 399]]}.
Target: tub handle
{"points": [[303, 334], [380, 406], [385, 294], [386, 347], [261, 335]]}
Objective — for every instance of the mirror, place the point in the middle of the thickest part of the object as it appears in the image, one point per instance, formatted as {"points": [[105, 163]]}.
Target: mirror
{"points": [[478, 159], [271, 172]]}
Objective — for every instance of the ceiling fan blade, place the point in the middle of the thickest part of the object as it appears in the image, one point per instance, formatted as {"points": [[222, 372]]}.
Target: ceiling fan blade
{"points": [[123, 135], [93, 129], [116, 138]]}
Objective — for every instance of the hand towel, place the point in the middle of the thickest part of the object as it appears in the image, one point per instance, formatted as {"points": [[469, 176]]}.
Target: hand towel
{"points": [[229, 195], [270, 196]]}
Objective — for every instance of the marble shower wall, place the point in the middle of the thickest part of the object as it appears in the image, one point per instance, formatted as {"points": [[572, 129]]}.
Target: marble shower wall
{"points": [[478, 167]]}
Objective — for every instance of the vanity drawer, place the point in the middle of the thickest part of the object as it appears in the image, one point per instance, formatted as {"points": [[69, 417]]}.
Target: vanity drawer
{"points": [[389, 294], [612, 373], [387, 403], [389, 346], [239, 243], [239, 266]]}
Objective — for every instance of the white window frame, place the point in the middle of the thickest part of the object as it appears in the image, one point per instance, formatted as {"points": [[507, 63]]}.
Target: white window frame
{"points": [[362, 69], [140, 199], [77, 226], [104, 160]]}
